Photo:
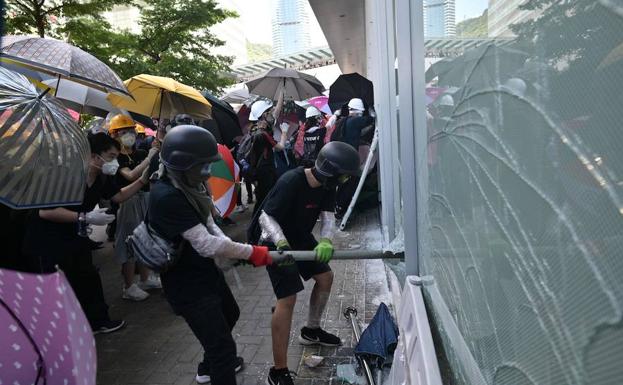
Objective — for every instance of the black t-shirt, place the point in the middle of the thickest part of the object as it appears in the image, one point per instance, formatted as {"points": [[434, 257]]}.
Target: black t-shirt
{"points": [[170, 214], [312, 144], [296, 207], [353, 127], [130, 161], [45, 237], [263, 144]]}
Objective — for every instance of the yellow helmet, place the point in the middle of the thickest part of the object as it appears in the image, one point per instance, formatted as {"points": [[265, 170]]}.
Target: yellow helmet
{"points": [[120, 122], [140, 129]]}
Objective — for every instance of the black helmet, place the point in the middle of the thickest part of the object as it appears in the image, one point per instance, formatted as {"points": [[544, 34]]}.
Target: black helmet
{"points": [[181, 119], [337, 158], [187, 146]]}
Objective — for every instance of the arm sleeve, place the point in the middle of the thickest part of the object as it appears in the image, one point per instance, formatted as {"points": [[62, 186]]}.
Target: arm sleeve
{"points": [[214, 229], [210, 246], [271, 230], [327, 224]]}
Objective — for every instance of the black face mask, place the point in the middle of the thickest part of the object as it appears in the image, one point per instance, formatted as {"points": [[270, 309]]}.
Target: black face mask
{"points": [[328, 182]]}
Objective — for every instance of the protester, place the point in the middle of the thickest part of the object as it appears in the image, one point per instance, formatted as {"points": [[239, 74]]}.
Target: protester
{"points": [[284, 221], [180, 211], [59, 236], [132, 164], [264, 115], [143, 142], [312, 137]]}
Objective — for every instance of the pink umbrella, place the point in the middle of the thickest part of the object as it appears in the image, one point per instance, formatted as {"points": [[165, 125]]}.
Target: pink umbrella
{"points": [[45, 336], [321, 103]]}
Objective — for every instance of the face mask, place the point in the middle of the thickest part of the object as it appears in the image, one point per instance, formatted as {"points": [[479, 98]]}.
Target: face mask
{"points": [[270, 119], [197, 174], [110, 168], [128, 140]]}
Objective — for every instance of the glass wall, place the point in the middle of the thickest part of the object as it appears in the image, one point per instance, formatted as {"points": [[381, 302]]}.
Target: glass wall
{"points": [[525, 194]]}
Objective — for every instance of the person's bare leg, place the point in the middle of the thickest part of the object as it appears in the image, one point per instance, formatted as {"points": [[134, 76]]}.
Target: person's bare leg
{"points": [[128, 269], [319, 298], [280, 326], [143, 272]]}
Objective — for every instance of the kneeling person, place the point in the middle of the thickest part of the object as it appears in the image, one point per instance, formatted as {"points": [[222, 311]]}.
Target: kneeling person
{"points": [[285, 221]]}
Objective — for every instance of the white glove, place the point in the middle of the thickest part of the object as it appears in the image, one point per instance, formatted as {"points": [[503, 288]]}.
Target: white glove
{"points": [[337, 113], [152, 151], [284, 127], [99, 217]]}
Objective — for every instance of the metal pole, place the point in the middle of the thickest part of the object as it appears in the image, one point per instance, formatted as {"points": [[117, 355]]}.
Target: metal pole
{"points": [[351, 314], [306, 255]]}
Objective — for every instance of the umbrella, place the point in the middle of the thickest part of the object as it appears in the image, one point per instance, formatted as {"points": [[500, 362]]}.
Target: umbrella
{"points": [[292, 84], [322, 103], [224, 179], [237, 96], [379, 339], [80, 97], [157, 97], [45, 154], [349, 86], [225, 118], [45, 336], [62, 60]]}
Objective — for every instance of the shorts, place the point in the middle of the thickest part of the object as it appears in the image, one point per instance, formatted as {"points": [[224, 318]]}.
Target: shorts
{"points": [[130, 214], [286, 280]]}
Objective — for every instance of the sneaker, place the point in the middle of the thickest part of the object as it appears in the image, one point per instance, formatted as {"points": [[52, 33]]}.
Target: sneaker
{"points": [[134, 293], [318, 337], [152, 282], [280, 377], [108, 326], [203, 374], [241, 209]]}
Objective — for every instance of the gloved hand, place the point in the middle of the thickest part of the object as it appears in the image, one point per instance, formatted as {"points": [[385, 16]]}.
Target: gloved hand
{"points": [[99, 217], [284, 127], [283, 245], [324, 250], [260, 256], [152, 152]]}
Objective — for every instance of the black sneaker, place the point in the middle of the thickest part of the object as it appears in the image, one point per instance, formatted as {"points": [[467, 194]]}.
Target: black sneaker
{"points": [[108, 326], [203, 373], [280, 377], [318, 337]]}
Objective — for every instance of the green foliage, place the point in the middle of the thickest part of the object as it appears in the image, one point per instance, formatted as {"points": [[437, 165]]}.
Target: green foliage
{"points": [[174, 41], [474, 27], [259, 52]]}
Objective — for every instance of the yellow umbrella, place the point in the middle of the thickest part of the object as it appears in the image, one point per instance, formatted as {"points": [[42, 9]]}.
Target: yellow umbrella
{"points": [[158, 97]]}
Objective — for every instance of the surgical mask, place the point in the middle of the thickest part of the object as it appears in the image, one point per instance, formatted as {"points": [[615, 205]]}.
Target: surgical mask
{"points": [[110, 168], [128, 139]]}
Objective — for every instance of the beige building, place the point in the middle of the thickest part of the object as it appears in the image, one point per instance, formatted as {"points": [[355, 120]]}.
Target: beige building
{"points": [[503, 13]]}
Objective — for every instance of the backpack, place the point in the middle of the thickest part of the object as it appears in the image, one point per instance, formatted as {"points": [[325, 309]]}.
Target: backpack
{"points": [[338, 132], [245, 156]]}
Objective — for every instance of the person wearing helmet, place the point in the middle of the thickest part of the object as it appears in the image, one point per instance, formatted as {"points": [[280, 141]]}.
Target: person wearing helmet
{"points": [[58, 237], [285, 221], [313, 136], [180, 211], [132, 163], [263, 117]]}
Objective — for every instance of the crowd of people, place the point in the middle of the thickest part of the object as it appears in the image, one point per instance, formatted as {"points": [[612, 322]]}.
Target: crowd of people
{"points": [[162, 182]]}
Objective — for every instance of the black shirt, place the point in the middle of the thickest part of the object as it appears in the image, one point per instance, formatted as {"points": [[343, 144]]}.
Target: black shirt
{"points": [[263, 144], [45, 237], [170, 214], [296, 207], [312, 144], [130, 161], [353, 127]]}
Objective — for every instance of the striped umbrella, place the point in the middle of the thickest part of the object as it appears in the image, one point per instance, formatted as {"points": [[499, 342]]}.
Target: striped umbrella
{"points": [[224, 182], [44, 152]]}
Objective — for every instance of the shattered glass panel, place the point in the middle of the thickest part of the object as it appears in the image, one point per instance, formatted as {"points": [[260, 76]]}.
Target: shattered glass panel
{"points": [[526, 195]]}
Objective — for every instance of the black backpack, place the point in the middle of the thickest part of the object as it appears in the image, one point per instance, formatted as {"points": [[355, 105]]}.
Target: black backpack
{"points": [[246, 157], [338, 133]]}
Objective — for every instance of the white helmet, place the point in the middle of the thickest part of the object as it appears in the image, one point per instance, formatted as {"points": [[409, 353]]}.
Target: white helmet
{"points": [[258, 108], [446, 100], [356, 104], [311, 112]]}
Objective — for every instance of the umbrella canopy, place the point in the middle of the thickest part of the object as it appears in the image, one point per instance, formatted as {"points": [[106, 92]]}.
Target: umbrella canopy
{"points": [[293, 84], [322, 103], [224, 179], [62, 60], [237, 96], [225, 118], [80, 97], [45, 335], [349, 86], [379, 339], [157, 97], [45, 154]]}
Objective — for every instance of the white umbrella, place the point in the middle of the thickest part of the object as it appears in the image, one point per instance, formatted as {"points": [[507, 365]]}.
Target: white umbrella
{"points": [[85, 98]]}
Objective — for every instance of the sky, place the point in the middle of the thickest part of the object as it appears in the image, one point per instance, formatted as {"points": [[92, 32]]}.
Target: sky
{"points": [[258, 14]]}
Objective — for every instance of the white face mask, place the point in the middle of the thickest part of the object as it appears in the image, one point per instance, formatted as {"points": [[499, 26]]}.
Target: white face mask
{"points": [[128, 139], [110, 168]]}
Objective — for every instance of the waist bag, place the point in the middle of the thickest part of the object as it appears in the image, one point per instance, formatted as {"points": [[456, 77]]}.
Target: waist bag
{"points": [[152, 250]]}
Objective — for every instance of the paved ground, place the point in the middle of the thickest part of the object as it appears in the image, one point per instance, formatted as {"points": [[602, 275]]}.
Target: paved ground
{"points": [[157, 347]]}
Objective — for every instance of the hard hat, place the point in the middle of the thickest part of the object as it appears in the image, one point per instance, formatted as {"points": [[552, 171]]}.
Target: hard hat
{"points": [[337, 158], [140, 129], [356, 104], [120, 122], [186, 146], [258, 108], [516, 85], [446, 100], [311, 112]]}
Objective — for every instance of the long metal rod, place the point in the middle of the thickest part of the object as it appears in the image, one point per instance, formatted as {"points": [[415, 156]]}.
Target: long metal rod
{"points": [[351, 314], [338, 254]]}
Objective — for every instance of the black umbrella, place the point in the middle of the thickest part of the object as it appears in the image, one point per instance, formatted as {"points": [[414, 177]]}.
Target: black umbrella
{"points": [[380, 338], [225, 126], [349, 86]]}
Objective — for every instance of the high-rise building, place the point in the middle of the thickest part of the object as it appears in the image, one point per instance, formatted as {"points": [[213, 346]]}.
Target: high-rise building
{"points": [[504, 13], [439, 18], [290, 27]]}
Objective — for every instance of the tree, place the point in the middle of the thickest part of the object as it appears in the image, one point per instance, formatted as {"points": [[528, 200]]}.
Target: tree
{"points": [[259, 52], [474, 27]]}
